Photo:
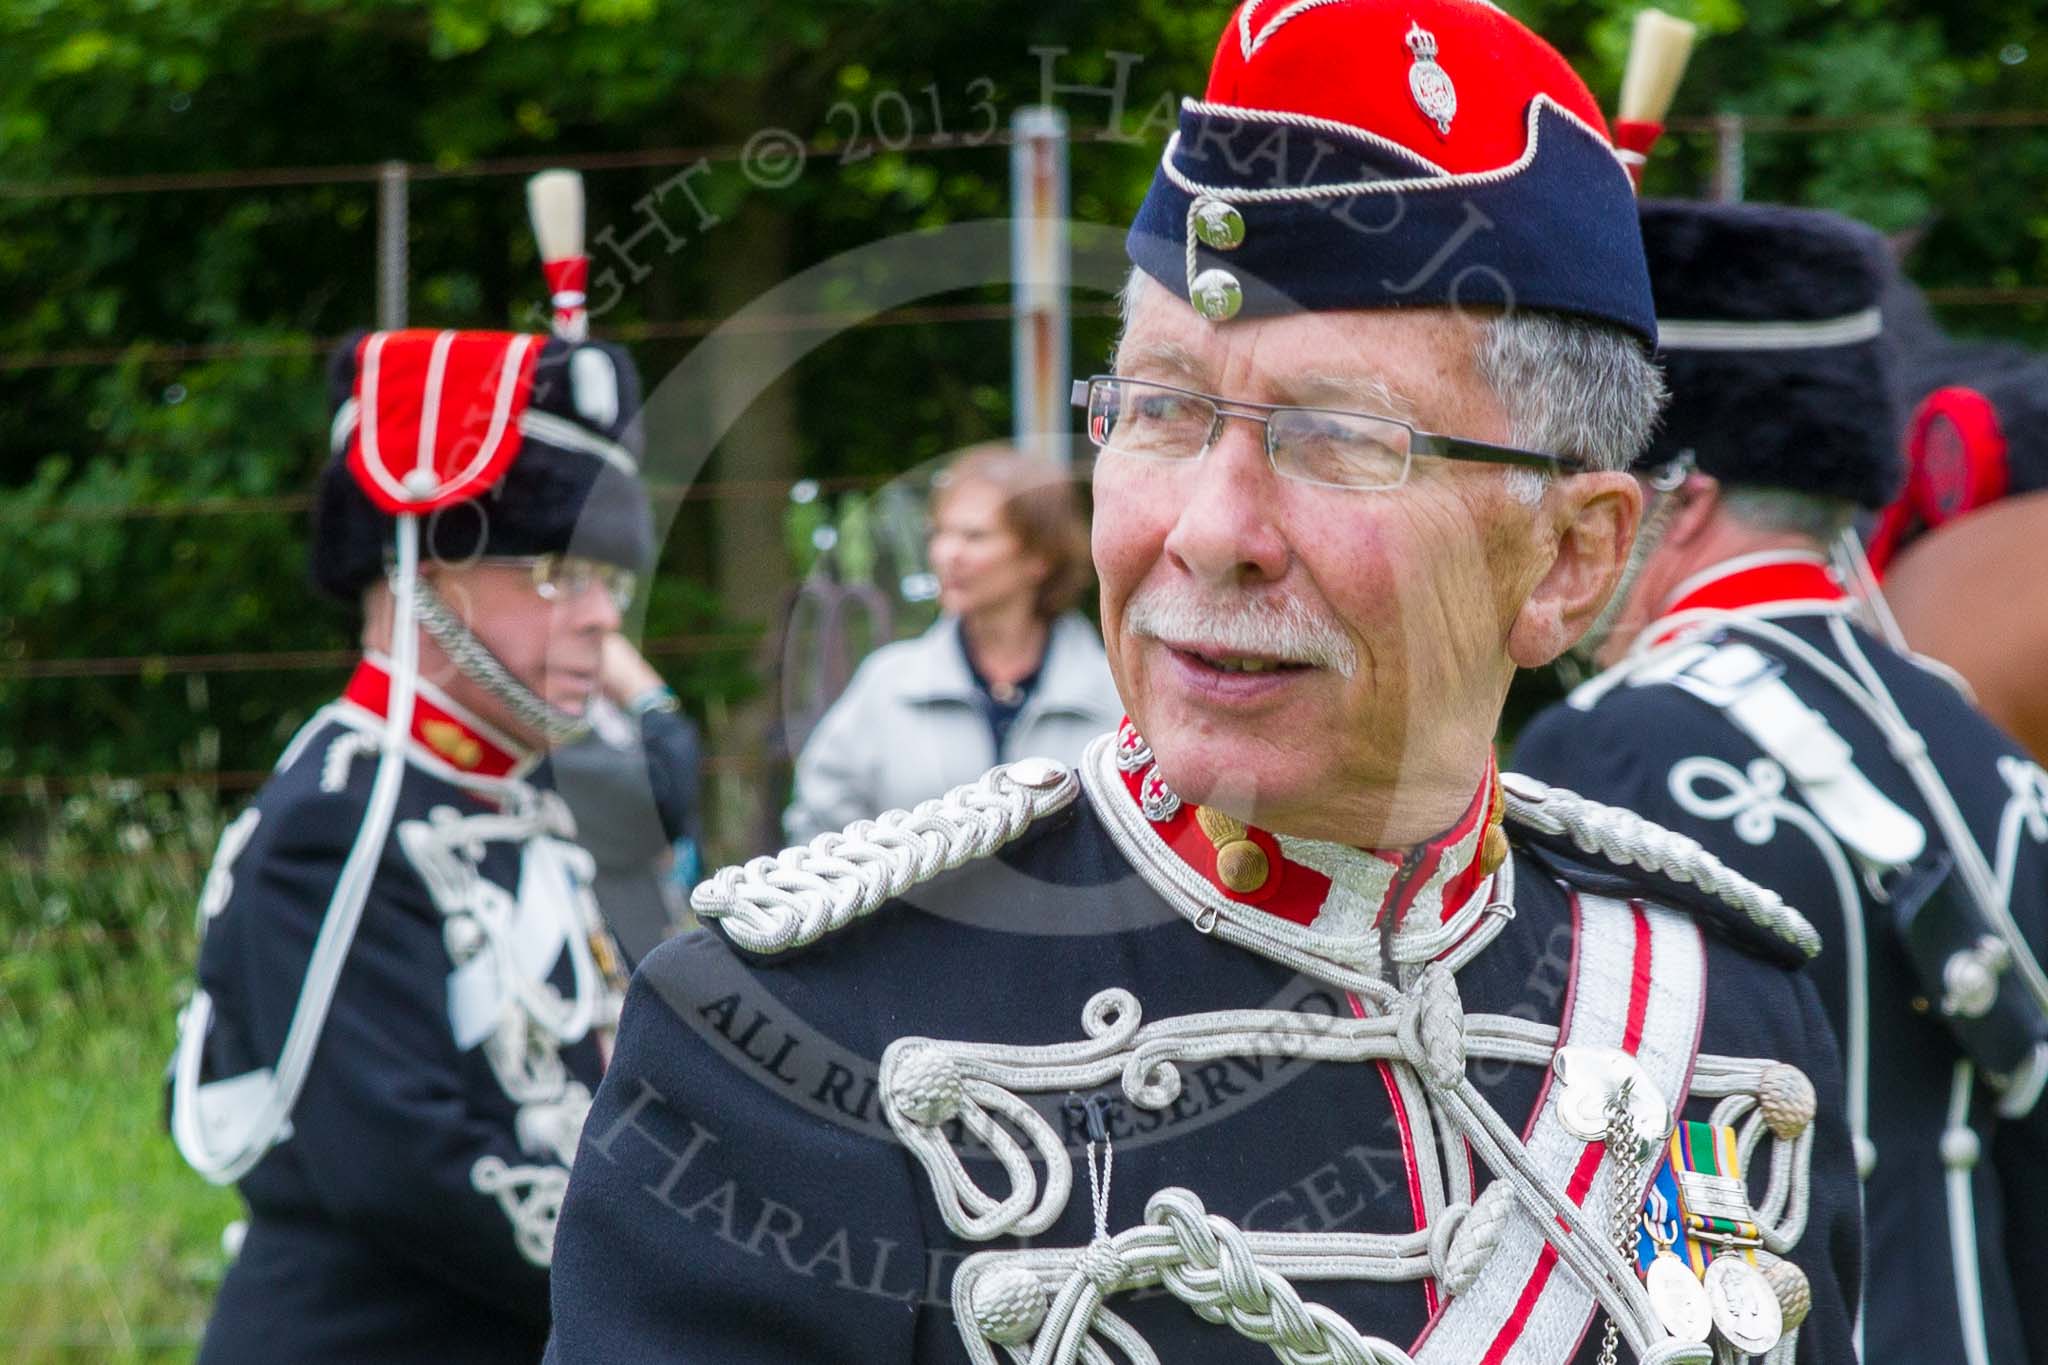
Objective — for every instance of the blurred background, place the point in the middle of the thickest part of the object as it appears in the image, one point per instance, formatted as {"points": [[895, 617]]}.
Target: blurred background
{"points": [[198, 198]]}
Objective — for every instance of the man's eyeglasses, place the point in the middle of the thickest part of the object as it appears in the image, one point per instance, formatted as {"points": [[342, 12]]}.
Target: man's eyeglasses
{"points": [[565, 578], [1315, 445]]}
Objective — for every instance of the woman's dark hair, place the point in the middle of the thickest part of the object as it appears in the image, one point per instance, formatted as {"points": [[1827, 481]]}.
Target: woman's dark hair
{"points": [[1040, 508]]}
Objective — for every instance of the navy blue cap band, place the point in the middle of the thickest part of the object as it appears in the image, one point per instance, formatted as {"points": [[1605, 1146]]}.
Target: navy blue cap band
{"points": [[1336, 220]]}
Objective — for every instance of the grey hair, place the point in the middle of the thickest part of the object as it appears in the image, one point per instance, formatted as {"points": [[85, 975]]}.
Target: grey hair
{"points": [[1135, 284], [1785, 512], [1570, 386]]}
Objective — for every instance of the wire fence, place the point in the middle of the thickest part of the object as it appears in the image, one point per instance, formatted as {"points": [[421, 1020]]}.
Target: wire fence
{"points": [[293, 504], [160, 352], [662, 158], [248, 780], [305, 660], [368, 173], [676, 329], [1728, 130]]}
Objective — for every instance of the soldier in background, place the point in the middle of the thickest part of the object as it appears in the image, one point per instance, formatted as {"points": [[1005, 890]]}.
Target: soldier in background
{"points": [[405, 992], [1972, 520], [1364, 1052], [1748, 708]]}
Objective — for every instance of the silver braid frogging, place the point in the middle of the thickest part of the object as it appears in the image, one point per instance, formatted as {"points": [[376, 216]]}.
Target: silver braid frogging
{"points": [[1224, 1274]]}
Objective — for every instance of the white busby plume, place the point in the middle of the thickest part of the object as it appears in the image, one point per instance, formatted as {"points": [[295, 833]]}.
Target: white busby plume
{"points": [[554, 201], [1657, 53]]}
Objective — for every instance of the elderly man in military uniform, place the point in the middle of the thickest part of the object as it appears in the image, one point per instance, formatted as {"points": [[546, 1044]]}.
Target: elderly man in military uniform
{"points": [[404, 989], [1282, 1025], [1756, 714]]}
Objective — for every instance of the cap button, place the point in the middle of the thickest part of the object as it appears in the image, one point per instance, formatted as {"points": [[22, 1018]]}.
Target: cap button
{"points": [[419, 482], [1218, 225], [1216, 295]]}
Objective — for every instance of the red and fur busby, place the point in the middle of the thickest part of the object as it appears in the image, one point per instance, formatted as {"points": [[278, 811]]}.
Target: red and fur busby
{"points": [[500, 443], [1771, 334], [533, 443]]}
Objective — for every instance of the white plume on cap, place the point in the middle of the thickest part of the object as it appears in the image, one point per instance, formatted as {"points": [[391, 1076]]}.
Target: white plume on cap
{"points": [[1660, 47], [554, 200]]}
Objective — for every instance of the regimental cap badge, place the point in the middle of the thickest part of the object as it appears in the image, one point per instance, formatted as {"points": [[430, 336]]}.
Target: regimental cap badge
{"points": [[1429, 83]]}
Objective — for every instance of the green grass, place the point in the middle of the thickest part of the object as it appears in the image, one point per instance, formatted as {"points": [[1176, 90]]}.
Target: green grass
{"points": [[109, 1244]]}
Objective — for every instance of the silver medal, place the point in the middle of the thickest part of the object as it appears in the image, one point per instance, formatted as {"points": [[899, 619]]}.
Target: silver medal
{"points": [[1588, 1076], [1745, 1308], [1678, 1297]]}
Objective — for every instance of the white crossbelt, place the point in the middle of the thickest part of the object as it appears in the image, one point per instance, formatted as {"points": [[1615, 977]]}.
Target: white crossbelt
{"points": [[1526, 1310]]}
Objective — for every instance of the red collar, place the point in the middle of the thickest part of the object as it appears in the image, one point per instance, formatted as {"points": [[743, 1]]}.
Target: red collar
{"points": [[1758, 580], [1307, 880], [441, 728], [1754, 580]]}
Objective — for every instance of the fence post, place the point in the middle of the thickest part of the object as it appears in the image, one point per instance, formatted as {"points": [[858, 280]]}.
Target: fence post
{"points": [[391, 245], [1039, 267], [1728, 158]]}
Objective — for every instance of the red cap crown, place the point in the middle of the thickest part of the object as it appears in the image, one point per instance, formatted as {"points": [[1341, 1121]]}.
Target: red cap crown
{"points": [[437, 414], [1366, 64]]}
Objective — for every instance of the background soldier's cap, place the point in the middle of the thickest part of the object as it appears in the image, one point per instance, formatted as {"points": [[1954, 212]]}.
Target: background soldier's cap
{"points": [[519, 444], [1361, 154], [1771, 334]]}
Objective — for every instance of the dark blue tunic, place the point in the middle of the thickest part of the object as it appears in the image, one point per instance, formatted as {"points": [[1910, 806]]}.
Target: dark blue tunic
{"points": [[738, 1196], [367, 1241]]}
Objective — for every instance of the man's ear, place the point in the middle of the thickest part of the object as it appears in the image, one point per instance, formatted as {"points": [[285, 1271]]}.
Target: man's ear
{"points": [[1592, 522]]}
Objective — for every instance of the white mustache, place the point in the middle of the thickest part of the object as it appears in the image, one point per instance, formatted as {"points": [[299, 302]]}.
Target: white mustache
{"points": [[1281, 628]]}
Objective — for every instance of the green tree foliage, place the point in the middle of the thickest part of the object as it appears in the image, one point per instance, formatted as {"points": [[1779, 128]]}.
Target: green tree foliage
{"points": [[109, 399]]}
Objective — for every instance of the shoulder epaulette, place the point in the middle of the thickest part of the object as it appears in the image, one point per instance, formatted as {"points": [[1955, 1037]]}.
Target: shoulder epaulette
{"points": [[791, 900], [1624, 840]]}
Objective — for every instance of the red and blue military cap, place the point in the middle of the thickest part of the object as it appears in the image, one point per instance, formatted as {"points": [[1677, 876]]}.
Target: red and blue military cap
{"points": [[1352, 154]]}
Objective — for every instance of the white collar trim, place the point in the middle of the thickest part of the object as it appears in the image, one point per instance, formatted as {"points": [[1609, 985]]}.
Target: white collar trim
{"points": [[1341, 945], [1728, 568]]}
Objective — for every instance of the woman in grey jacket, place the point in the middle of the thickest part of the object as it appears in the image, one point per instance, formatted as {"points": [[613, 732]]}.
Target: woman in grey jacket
{"points": [[1011, 670]]}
